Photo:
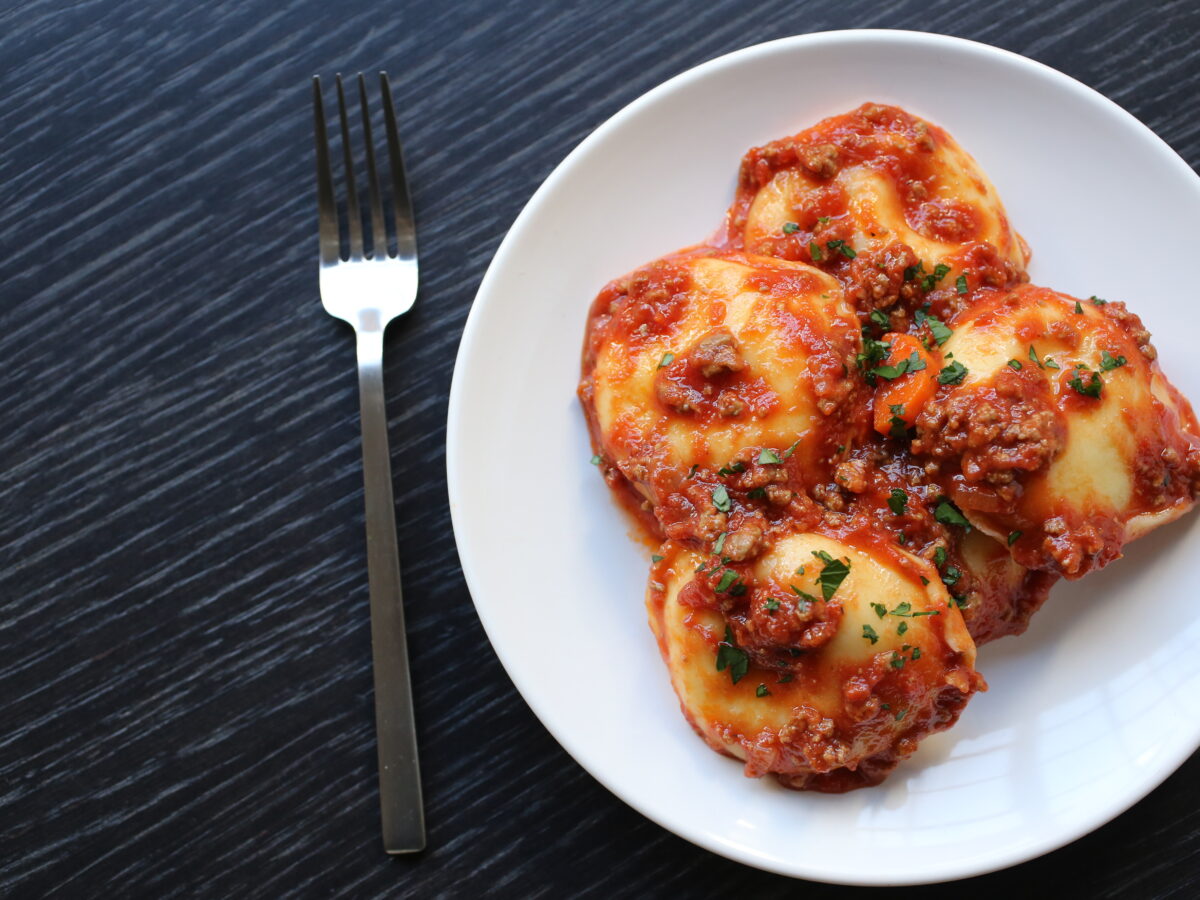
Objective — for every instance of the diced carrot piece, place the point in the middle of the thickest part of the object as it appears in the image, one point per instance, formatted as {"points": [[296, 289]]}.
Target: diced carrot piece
{"points": [[906, 395]]}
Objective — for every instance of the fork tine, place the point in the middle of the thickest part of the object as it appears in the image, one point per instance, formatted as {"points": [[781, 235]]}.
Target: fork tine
{"points": [[326, 205], [406, 232], [353, 213], [379, 238]]}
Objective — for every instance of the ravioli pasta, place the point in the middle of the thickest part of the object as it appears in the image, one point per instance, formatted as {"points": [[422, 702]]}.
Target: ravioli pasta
{"points": [[866, 444]]}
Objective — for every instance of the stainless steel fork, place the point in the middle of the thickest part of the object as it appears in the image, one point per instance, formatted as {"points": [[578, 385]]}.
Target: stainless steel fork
{"points": [[368, 290]]}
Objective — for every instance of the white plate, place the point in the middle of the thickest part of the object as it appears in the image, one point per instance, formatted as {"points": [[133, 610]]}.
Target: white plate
{"points": [[1087, 712]]}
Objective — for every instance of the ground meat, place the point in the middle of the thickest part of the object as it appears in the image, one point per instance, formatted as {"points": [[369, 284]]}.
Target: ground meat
{"points": [[717, 355], [877, 277], [743, 543], [829, 496], [821, 160], [778, 495], [678, 397], [994, 432], [852, 475], [1119, 313]]}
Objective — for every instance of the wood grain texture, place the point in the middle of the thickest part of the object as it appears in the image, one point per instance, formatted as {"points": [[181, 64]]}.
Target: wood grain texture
{"points": [[185, 679]]}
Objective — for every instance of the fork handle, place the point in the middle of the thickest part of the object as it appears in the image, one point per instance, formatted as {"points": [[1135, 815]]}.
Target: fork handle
{"points": [[395, 727]]}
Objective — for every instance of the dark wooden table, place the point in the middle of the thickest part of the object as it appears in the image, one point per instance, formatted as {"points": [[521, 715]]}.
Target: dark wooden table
{"points": [[185, 678]]}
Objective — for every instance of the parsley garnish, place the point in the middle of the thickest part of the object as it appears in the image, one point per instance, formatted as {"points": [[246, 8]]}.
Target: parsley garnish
{"points": [[947, 513], [769, 457], [916, 653], [1089, 389], [772, 604], [899, 428], [961, 284], [790, 450], [1108, 362], [901, 628], [902, 609], [1034, 357], [939, 557], [953, 373], [824, 220], [803, 595], [951, 576], [1050, 363], [833, 573], [693, 471], [1015, 364], [846, 250], [900, 715], [880, 318], [596, 460], [814, 251], [1096, 301], [728, 577], [1013, 536], [790, 227], [757, 493], [732, 469], [720, 544], [870, 634], [720, 498], [913, 363], [880, 609], [656, 558], [761, 691], [1078, 308], [667, 359], [897, 661], [731, 658], [873, 351], [896, 502]]}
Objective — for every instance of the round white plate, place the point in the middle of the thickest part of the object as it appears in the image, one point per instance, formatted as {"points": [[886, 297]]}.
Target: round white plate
{"points": [[1088, 711]]}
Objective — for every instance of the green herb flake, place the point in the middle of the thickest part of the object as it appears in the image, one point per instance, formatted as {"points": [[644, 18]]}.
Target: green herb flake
{"points": [[667, 359], [790, 227], [596, 460], [953, 373], [757, 493], [1034, 357], [769, 457], [1097, 301], [897, 501], [880, 609], [948, 514], [900, 715], [903, 609], [832, 575], [1090, 388], [772, 604], [761, 691], [824, 220], [803, 595], [1015, 364], [1078, 308], [939, 557], [916, 653], [901, 628], [728, 577], [1050, 363], [731, 658], [845, 249], [897, 661], [786, 677], [870, 634], [1108, 362], [792, 449], [951, 576], [880, 318], [961, 284], [720, 499], [814, 251], [1013, 537], [720, 543], [656, 558]]}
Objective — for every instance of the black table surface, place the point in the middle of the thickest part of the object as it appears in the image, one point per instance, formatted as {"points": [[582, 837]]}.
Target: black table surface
{"points": [[185, 679]]}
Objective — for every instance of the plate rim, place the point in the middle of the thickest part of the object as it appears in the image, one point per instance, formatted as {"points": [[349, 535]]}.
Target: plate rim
{"points": [[951, 870]]}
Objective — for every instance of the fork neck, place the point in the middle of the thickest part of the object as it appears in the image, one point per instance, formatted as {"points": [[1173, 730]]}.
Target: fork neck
{"points": [[370, 346]]}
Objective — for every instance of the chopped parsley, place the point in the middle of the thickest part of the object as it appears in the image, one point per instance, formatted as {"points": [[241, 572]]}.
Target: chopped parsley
{"points": [[902, 609], [961, 284], [939, 557], [792, 449], [731, 658], [899, 428], [693, 471], [916, 653], [880, 609], [953, 373], [1108, 362], [832, 574], [761, 691], [951, 576], [786, 677], [824, 220], [897, 501], [732, 469], [873, 351], [913, 363], [900, 715], [656, 558], [757, 493], [1090, 388], [728, 577], [720, 543], [897, 661], [948, 514], [1034, 357], [790, 227], [1078, 308], [846, 250], [1013, 537], [1015, 364], [772, 605], [1050, 363], [880, 318], [596, 460], [940, 332], [870, 634], [667, 359], [720, 499], [1097, 301], [814, 251], [803, 595], [769, 457], [901, 628]]}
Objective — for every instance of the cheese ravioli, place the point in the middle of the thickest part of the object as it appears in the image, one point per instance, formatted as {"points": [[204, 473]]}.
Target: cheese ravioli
{"points": [[702, 356], [824, 662]]}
